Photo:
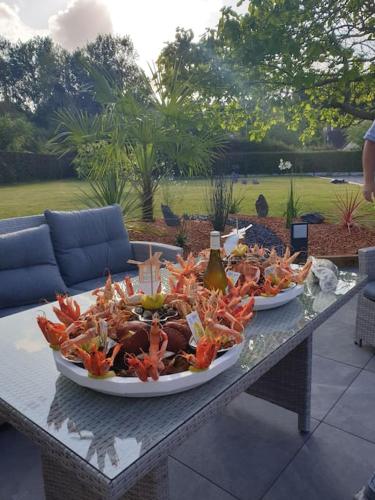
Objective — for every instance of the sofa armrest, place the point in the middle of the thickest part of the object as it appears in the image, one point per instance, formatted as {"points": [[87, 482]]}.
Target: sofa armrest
{"points": [[141, 250], [366, 262]]}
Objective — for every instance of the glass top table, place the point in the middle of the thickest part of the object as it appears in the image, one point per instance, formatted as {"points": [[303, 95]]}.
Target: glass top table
{"points": [[118, 440]]}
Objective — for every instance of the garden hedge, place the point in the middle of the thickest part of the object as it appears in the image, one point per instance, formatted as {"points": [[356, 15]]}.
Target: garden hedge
{"points": [[266, 163], [26, 167]]}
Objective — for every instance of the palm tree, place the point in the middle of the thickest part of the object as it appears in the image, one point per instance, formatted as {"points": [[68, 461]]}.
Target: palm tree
{"points": [[140, 137]]}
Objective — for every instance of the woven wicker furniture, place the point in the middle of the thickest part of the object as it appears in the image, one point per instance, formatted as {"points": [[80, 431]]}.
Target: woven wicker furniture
{"points": [[140, 248], [365, 320], [31, 257], [97, 447]]}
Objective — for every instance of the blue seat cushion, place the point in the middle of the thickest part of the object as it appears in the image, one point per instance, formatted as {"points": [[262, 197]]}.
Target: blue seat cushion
{"points": [[8, 311], [28, 268], [369, 290], [89, 243], [88, 285]]}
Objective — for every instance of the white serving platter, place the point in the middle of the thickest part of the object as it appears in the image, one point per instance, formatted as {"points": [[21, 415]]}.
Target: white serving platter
{"points": [[135, 388], [282, 298]]}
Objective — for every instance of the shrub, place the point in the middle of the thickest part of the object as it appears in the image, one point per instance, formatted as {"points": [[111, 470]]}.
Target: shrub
{"points": [[182, 235], [219, 201], [352, 210], [291, 211], [292, 205], [112, 188], [236, 204], [26, 167]]}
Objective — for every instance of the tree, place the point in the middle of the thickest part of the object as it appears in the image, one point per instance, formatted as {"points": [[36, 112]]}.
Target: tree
{"points": [[40, 77], [302, 60], [302, 63], [203, 65], [355, 133], [17, 133], [31, 72], [143, 137], [115, 56]]}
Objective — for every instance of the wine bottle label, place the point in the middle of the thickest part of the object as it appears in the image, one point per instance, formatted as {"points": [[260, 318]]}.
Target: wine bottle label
{"points": [[215, 240]]}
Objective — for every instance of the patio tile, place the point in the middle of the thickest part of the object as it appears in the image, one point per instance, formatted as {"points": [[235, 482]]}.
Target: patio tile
{"points": [[185, 484], [329, 381], [356, 409], [23, 458], [347, 313], [371, 365], [334, 339], [332, 465], [20, 467], [244, 450]]}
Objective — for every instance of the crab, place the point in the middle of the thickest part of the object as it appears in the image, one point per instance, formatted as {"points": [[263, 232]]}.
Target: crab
{"points": [[224, 318], [205, 353], [54, 333], [96, 361], [188, 267], [68, 311], [151, 363]]}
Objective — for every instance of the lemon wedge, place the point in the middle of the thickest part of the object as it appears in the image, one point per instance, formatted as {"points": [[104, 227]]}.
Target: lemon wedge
{"points": [[240, 250], [152, 302]]}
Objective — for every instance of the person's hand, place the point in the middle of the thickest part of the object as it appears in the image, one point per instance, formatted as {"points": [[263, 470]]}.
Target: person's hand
{"points": [[369, 192]]}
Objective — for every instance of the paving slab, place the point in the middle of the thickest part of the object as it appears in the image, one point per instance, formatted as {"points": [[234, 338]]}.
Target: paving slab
{"points": [[21, 473], [245, 449], [355, 411], [330, 379], [20, 467], [185, 484], [347, 313], [332, 465], [371, 365], [334, 339]]}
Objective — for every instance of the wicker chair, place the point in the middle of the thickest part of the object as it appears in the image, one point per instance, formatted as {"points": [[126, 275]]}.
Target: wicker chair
{"points": [[365, 321]]}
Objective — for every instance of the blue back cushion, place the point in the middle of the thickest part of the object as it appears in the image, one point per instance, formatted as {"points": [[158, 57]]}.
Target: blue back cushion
{"points": [[89, 243], [28, 268]]}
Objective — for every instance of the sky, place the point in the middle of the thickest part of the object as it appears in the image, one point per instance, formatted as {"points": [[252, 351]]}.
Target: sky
{"points": [[72, 23]]}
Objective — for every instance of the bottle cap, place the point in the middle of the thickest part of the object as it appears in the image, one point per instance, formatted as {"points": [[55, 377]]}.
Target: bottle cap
{"points": [[215, 240]]}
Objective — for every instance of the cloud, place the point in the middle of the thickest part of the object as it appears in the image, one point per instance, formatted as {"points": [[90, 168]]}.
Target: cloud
{"points": [[152, 23], [149, 23], [12, 27], [80, 23]]}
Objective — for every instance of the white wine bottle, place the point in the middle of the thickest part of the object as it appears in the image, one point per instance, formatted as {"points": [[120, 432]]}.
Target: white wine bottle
{"points": [[215, 278]]}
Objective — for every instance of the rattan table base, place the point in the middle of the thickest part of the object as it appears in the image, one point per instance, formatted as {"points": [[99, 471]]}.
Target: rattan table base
{"points": [[61, 483]]}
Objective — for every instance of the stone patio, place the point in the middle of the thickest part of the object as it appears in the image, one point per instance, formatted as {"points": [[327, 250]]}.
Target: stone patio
{"points": [[253, 451]]}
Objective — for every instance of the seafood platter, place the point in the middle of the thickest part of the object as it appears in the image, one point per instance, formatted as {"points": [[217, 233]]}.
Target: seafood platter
{"points": [[136, 344], [261, 274]]}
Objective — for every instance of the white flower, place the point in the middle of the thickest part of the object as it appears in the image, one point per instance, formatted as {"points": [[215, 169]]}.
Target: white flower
{"points": [[284, 165]]}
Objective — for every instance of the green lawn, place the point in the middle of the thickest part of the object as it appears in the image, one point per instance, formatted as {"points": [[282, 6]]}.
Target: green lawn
{"points": [[187, 196]]}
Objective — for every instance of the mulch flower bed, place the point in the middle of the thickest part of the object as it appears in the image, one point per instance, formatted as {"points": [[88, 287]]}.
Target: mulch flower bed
{"points": [[324, 239]]}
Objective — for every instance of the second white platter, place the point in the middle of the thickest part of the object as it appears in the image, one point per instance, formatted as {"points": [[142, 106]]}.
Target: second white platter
{"points": [[263, 303]]}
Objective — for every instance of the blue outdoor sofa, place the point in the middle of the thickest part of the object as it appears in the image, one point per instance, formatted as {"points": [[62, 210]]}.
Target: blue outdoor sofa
{"points": [[65, 252]]}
